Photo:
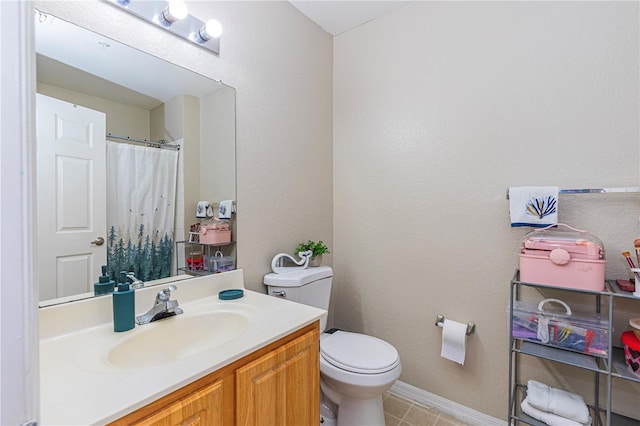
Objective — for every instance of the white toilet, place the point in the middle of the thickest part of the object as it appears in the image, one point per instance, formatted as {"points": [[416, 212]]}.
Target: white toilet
{"points": [[355, 369]]}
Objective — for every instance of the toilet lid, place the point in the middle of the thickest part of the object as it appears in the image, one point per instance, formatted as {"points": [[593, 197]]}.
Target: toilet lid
{"points": [[358, 353]]}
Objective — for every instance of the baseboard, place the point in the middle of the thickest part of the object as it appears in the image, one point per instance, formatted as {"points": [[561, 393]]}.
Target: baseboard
{"points": [[443, 405]]}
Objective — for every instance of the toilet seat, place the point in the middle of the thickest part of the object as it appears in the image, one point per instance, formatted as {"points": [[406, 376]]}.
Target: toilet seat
{"points": [[358, 353]]}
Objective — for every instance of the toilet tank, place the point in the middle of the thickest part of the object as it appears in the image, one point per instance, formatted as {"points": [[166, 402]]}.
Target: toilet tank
{"points": [[311, 286]]}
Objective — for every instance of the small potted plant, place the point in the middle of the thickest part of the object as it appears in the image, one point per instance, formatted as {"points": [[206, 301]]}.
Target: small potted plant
{"points": [[317, 249]]}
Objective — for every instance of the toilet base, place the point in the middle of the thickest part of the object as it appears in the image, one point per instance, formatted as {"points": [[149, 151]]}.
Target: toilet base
{"points": [[359, 412], [327, 415], [324, 421], [352, 411]]}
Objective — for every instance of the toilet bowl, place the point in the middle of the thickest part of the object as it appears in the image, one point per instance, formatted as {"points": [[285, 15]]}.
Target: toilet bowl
{"points": [[355, 369]]}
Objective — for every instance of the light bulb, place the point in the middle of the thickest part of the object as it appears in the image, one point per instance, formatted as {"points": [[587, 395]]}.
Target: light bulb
{"points": [[212, 29], [176, 10]]}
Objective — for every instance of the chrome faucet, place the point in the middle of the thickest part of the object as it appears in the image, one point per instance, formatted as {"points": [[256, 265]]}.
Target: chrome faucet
{"points": [[162, 308], [135, 282]]}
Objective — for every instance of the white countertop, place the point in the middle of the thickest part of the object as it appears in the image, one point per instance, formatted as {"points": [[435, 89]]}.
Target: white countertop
{"points": [[78, 384]]}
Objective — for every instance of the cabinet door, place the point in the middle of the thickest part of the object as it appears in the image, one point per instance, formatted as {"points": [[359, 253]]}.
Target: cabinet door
{"points": [[202, 408], [282, 387]]}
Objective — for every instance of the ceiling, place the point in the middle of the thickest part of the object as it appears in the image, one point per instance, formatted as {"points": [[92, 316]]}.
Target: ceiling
{"points": [[336, 17]]}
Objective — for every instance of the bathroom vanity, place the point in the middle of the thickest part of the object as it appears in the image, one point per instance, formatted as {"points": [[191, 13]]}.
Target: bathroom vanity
{"points": [[244, 392], [252, 360]]}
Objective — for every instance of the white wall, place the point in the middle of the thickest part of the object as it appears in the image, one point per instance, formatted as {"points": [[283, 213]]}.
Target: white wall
{"points": [[122, 119], [217, 155], [439, 107]]}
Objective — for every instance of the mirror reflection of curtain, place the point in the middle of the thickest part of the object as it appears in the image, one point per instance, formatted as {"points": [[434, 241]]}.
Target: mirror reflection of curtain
{"points": [[141, 200]]}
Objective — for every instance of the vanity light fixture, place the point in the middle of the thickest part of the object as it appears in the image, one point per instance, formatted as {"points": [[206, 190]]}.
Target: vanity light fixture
{"points": [[174, 17]]}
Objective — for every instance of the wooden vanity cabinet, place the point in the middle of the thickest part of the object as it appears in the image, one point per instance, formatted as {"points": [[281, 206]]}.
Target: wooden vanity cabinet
{"points": [[282, 386], [276, 385]]}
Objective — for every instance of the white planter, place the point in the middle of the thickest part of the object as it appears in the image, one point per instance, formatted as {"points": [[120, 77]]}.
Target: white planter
{"points": [[316, 261]]}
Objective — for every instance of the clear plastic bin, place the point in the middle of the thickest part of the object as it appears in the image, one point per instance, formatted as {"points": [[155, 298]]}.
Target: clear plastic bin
{"points": [[560, 328], [219, 263]]}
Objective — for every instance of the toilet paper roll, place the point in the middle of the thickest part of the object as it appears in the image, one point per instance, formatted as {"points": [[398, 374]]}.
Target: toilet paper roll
{"points": [[454, 341], [225, 210]]}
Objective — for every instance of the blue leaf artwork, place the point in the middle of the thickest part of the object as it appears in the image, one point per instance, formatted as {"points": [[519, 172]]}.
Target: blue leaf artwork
{"points": [[541, 207]]}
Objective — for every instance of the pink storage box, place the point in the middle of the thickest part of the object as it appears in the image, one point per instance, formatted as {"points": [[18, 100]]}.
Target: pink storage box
{"points": [[563, 257], [215, 234]]}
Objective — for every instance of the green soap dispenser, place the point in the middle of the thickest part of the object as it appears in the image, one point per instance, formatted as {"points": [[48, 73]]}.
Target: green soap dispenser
{"points": [[124, 313], [105, 284]]}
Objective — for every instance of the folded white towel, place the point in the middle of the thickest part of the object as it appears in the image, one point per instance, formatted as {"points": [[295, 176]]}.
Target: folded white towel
{"points": [[557, 401], [535, 206], [549, 418]]}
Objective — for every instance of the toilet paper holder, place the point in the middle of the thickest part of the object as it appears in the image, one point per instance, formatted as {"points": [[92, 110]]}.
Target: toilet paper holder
{"points": [[471, 327]]}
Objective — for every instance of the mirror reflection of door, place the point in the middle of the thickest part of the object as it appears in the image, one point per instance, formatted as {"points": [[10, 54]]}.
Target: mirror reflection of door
{"points": [[71, 197]]}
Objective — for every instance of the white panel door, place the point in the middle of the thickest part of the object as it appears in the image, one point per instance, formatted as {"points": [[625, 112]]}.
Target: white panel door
{"points": [[71, 197]]}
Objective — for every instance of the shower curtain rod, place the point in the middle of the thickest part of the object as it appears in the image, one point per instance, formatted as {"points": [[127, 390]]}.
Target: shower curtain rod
{"points": [[158, 144]]}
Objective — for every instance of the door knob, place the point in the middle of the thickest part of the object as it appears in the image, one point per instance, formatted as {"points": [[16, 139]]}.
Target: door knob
{"points": [[98, 241]]}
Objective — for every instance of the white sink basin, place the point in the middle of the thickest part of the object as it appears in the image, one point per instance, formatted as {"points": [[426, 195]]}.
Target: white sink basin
{"points": [[176, 338]]}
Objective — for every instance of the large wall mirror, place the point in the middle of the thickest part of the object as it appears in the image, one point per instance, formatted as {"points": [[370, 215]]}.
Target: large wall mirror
{"points": [[100, 107]]}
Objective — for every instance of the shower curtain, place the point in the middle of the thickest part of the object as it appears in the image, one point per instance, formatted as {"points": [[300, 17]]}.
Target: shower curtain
{"points": [[141, 203]]}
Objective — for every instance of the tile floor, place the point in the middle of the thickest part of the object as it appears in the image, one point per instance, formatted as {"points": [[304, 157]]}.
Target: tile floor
{"points": [[403, 412]]}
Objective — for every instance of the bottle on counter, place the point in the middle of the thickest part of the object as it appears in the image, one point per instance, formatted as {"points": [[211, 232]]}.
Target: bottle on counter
{"points": [[105, 284], [123, 306]]}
